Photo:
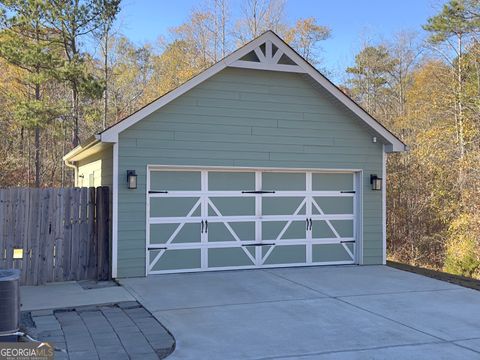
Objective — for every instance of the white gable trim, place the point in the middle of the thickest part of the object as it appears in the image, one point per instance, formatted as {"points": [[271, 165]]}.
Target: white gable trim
{"points": [[266, 62], [267, 66]]}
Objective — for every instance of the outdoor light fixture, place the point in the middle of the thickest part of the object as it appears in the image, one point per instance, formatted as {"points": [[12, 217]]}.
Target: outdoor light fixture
{"points": [[376, 182], [132, 179]]}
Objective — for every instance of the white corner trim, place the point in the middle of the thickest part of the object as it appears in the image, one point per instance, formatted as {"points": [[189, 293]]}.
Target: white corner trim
{"points": [[384, 206], [233, 60], [147, 225], [115, 211], [359, 211]]}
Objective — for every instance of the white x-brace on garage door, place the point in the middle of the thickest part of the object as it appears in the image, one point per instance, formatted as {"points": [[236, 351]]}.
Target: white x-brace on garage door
{"points": [[218, 219]]}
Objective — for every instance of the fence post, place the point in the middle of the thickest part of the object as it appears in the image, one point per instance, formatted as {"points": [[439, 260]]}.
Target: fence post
{"points": [[2, 229], [60, 220], [103, 233], [83, 238], [92, 235]]}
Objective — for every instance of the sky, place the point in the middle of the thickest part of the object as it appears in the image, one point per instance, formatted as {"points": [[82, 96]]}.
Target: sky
{"points": [[352, 22]]}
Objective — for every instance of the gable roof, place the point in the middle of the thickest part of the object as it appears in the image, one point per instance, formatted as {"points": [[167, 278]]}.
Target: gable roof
{"points": [[266, 52]]}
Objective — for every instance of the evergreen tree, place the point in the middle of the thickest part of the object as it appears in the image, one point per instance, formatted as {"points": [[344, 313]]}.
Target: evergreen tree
{"points": [[73, 20], [452, 27], [373, 66], [23, 22]]}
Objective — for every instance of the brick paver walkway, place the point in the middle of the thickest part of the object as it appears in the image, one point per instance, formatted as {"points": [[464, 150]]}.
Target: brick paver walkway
{"points": [[121, 331]]}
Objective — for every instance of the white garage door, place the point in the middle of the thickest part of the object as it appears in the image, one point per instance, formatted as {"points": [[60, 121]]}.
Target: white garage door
{"points": [[201, 220]]}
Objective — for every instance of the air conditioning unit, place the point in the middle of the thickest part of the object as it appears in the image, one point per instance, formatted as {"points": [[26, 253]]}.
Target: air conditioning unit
{"points": [[9, 303]]}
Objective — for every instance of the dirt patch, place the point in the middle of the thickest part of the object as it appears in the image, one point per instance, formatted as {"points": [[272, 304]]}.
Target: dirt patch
{"points": [[454, 279]]}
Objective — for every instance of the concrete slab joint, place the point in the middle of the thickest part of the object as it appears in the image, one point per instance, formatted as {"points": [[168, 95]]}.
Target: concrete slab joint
{"points": [[338, 312]]}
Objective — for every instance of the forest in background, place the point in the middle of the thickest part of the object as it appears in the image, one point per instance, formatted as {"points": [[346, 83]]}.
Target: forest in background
{"points": [[67, 72]]}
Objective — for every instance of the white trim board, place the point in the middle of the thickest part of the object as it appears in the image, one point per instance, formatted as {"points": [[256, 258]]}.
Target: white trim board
{"points": [[251, 267], [384, 208], [265, 62], [115, 211], [248, 169]]}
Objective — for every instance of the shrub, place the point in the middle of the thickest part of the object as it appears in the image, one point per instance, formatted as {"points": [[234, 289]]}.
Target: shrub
{"points": [[463, 246]]}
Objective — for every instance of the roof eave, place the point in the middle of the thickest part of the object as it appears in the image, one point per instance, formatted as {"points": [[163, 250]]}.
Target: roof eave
{"points": [[91, 141], [398, 146]]}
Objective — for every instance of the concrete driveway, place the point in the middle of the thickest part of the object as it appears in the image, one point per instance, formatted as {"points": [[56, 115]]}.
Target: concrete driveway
{"points": [[338, 312]]}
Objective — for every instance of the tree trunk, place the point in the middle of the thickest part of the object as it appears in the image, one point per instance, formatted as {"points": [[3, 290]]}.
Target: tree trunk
{"points": [[64, 128], [37, 125], [37, 157], [461, 132], [105, 76], [29, 162], [37, 143], [224, 25], [75, 115]]}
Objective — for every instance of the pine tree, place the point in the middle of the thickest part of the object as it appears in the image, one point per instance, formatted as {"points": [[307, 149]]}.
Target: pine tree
{"points": [[373, 66], [23, 22], [452, 27], [73, 20]]}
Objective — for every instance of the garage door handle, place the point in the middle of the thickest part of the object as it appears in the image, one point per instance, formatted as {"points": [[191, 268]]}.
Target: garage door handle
{"points": [[309, 223], [265, 244], [157, 192], [201, 227], [157, 248], [204, 227], [347, 241], [258, 192], [348, 192]]}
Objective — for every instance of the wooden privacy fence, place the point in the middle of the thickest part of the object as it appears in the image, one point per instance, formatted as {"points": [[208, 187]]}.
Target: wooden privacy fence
{"points": [[55, 234]]}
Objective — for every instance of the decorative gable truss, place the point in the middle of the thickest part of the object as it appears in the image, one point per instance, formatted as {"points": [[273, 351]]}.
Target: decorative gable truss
{"points": [[267, 56]]}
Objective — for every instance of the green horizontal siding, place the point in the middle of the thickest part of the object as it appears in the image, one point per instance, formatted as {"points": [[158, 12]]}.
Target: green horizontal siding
{"points": [[246, 118]]}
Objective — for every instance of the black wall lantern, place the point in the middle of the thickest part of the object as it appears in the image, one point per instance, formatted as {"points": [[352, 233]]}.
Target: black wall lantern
{"points": [[376, 182], [131, 179]]}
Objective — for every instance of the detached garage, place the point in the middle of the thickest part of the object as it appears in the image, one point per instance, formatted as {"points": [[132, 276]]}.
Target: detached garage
{"points": [[259, 161]]}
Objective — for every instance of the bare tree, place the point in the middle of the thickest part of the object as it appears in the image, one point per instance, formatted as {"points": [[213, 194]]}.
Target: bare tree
{"points": [[259, 16], [305, 37]]}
